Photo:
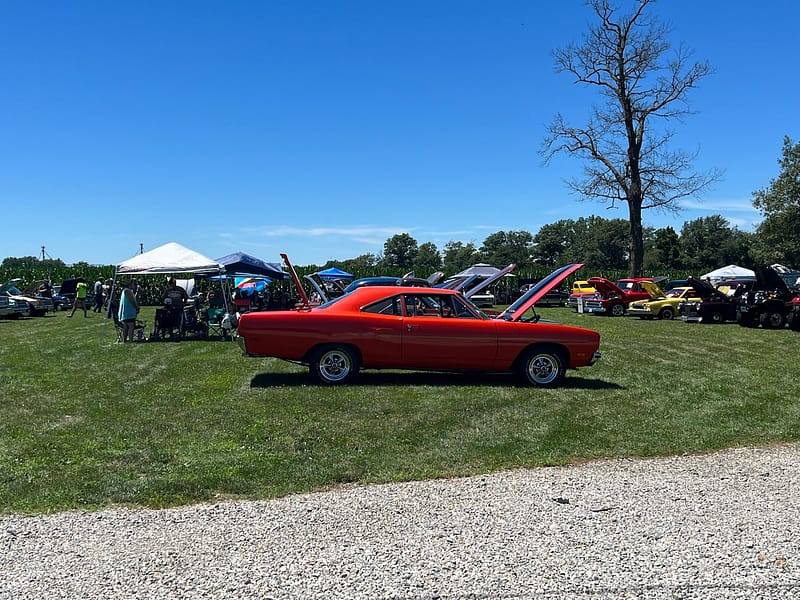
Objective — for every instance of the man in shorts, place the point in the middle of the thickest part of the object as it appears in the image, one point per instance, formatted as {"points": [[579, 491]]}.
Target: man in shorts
{"points": [[80, 298]]}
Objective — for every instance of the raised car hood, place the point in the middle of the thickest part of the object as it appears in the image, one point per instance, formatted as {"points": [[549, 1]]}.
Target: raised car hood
{"points": [[533, 295], [769, 279], [704, 289], [605, 287], [652, 289]]}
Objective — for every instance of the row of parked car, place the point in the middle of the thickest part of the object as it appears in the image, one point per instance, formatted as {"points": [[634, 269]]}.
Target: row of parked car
{"points": [[34, 300], [771, 299]]}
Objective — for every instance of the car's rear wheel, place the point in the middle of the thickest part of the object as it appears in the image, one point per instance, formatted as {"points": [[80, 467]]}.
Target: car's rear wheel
{"points": [[666, 313], [716, 317], [334, 364], [542, 367], [617, 310], [772, 319], [793, 320]]}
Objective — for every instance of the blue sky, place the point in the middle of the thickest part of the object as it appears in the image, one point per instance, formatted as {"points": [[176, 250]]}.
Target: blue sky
{"points": [[321, 128]]}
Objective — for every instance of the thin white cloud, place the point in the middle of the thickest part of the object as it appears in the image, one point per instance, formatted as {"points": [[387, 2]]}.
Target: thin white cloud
{"points": [[738, 205]]}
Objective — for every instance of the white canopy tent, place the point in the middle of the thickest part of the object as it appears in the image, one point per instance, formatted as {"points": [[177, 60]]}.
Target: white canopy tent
{"points": [[728, 272], [169, 258]]}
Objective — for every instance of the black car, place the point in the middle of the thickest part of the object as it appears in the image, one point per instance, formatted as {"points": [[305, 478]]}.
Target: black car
{"points": [[715, 307], [767, 303]]}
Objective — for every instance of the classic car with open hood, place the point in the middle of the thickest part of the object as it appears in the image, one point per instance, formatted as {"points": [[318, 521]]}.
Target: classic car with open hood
{"points": [[613, 298], [715, 305], [664, 306], [435, 329], [37, 305], [767, 303]]}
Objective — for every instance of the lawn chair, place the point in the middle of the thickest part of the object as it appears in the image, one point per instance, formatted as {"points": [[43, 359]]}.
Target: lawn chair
{"points": [[214, 320]]}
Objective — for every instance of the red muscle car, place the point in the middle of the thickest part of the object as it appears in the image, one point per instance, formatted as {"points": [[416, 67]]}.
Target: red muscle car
{"points": [[377, 327]]}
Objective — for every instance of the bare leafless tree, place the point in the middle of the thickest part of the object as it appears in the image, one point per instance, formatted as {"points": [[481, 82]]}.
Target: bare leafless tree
{"points": [[627, 154]]}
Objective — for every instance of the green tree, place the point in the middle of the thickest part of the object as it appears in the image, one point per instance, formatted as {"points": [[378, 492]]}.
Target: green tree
{"points": [[627, 155], [503, 248], [458, 256], [663, 250], [778, 235], [710, 242], [400, 251], [603, 243], [552, 242], [428, 259]]}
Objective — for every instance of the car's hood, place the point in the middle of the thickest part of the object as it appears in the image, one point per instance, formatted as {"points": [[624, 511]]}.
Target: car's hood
{"points": [[605, 287], [769, 279], [490, 280], [653, 289], [704, 289], [533, 295]]}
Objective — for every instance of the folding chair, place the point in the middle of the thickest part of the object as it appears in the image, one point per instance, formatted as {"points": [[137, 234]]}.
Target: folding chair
{"points": [[214, 321]]}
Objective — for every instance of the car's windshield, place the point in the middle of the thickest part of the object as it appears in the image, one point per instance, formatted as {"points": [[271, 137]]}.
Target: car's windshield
{"points": [[14, 290], [675, 293]]}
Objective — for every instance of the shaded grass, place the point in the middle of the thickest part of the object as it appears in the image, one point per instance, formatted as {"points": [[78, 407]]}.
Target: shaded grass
{"points": [[88, 423]]}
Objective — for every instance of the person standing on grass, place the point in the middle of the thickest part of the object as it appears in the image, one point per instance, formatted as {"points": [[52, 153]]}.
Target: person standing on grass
{"points": [[80, 298], [128, 310], [98, 296]]}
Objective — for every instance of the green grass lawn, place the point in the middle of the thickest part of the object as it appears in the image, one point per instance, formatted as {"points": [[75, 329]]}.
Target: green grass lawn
{"points": [[88, 423]]}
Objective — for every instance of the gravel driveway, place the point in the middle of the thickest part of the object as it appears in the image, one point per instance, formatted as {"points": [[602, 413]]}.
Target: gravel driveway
{"points": [[724, 525]]}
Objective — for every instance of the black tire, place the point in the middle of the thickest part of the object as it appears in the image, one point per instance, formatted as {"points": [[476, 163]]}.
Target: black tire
{"points": [[793, 320], [542, 367], [666, 314], [334, 365], [772, 319], [617, 310], [716, 317], [746, 319]]}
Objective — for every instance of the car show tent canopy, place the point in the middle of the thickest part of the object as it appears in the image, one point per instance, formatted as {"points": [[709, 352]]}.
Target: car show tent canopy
{"points": [[333, 273], [728, 272], [169, 258], [243, 264]]}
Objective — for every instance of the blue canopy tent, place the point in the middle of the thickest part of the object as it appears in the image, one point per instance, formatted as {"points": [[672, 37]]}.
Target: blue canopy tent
{"points": [[243, 264], [333, 274]]}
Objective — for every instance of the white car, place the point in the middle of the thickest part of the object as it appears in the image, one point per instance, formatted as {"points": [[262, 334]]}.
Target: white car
{"points": [[11, 309]]}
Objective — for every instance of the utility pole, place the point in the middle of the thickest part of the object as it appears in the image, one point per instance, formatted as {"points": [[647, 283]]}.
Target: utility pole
{"points": [[141, 248]]}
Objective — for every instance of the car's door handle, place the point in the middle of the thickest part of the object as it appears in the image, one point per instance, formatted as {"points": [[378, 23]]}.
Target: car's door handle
{"points": [[409, 326]]}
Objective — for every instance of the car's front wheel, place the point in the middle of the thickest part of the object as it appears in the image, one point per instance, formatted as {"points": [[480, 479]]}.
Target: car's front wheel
{"points": [[333, 365], [617, 310], [666, 314], [542, 367]]}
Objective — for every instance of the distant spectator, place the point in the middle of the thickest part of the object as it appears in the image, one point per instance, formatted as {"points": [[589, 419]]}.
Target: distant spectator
{"points": [[128, 311], [81, 290], [176, 295], [98, 296]]}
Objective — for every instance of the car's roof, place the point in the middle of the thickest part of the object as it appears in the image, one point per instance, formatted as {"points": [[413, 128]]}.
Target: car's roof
{"points": [[372, 293]]}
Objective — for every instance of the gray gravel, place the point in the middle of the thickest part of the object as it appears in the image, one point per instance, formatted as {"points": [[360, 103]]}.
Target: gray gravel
{"points": [[723, 525]]}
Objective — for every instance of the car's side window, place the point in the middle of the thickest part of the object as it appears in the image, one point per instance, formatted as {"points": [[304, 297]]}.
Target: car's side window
{"points": [[387, 306]]}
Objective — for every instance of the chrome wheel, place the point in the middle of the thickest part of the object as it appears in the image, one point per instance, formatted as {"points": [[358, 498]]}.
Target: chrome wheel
{"points": [[333, 365], [543, 368]]}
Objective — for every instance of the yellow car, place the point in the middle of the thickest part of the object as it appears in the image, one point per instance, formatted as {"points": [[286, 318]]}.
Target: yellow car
{"points": [[664, 307], [580, 289]]}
